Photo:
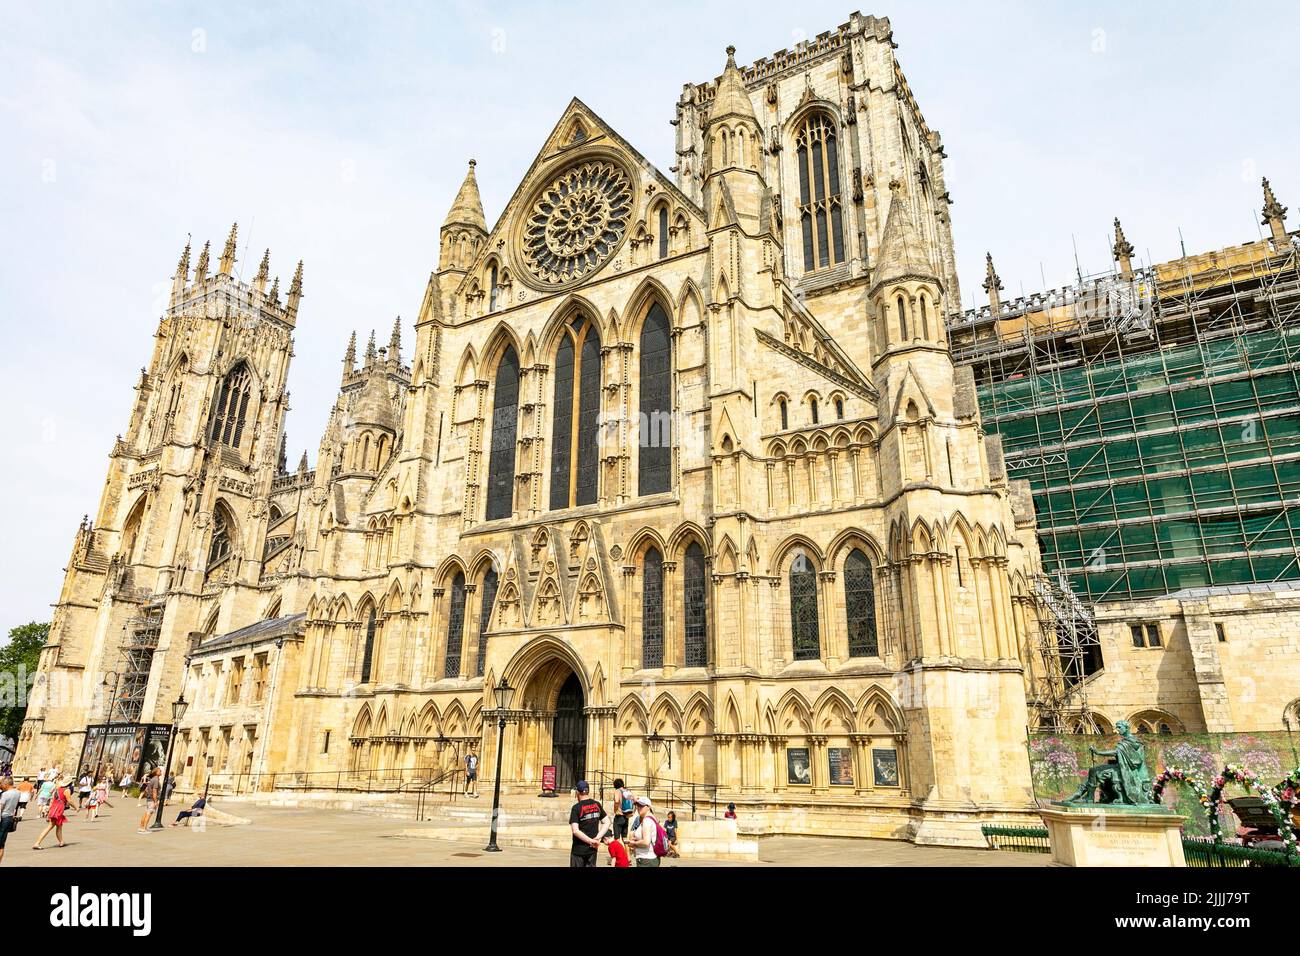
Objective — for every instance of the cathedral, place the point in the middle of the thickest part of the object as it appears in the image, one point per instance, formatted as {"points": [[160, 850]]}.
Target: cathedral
{"points": [[680, 458]]}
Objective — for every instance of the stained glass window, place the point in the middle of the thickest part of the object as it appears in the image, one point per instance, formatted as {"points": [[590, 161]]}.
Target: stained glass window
{"points": [[455, 626], [820, 212], [695, 604], [489, 598], [367, 656], [493, 277], [902, 319], [575, 450], [803, 609], [860, 605], [220, 546], [505, 424], [652, 610], [656, 453], [663, 232]]}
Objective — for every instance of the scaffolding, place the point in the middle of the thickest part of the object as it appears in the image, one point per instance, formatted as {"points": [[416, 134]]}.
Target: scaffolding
{"points": [[137, 654], [1157, 419], [1068, 653]]}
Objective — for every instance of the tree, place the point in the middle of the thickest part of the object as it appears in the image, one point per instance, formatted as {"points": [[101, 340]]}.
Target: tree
{"points": [[18, 661]]}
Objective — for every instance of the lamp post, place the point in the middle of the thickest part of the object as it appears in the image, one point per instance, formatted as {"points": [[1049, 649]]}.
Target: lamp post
{"points": [[502, 691], [103, 739], [656, 742], [179, 706]]}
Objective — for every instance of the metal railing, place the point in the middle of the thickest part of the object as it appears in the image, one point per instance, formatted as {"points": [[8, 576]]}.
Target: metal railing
{"points": [[1199, 853], [391, 780], [698, 798]]}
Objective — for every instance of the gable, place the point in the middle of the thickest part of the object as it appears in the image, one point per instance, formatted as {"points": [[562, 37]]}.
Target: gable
{"points": [[573, 215]]}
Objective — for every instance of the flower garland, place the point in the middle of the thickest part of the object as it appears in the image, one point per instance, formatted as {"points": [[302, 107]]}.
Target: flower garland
{"points": [[1289, 789], [1187, 779], [1234, 774]]}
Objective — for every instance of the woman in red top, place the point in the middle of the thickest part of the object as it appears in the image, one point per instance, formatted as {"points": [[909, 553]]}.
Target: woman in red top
{"points": [[58, 814]]}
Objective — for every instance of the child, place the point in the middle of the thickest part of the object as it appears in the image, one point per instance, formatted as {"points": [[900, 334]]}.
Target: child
{"points": [[92, 804], [617, 851], [731, 812]]}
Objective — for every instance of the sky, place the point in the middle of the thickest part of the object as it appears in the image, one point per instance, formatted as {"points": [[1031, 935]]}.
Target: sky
{"points": [[338, 133]]}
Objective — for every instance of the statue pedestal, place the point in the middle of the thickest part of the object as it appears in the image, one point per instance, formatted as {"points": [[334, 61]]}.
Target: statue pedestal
{"points": [[1103, 835]]}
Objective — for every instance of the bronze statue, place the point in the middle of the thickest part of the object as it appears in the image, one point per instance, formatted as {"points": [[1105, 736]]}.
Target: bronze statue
{"points": [[1124, 779]]}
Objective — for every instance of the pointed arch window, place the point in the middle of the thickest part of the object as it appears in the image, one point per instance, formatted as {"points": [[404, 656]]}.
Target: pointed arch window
{"points": [[805, 635], [695, 606], [654, 470], [902, 319], [812, 408], [821, 216], [575, 455], [652, 609], [493, 287], [839, 408], [489, 599], [663, 232], [231, 407], [368, 654], [455, 626], [219, 548], [860, 605], [505, 424], [785, 413]]}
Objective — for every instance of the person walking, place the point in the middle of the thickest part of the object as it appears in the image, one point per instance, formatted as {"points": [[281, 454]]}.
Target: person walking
{"points": [[84, 785], [589, 823], [8, 811], [44, 794], [471, 774], [58, 813], [101, 791], [647, 840], [25, 791], [150, 794]]}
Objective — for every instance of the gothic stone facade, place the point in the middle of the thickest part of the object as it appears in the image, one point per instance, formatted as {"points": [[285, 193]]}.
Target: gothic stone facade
{"points": [[683, 456]]}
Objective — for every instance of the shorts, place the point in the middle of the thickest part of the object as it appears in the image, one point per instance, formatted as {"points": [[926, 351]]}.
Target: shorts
{"points": [[653, 861], [471, 775], [620, 826], [582, 860], [7, 824]]}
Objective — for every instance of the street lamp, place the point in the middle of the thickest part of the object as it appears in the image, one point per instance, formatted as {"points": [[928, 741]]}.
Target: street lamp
{"points": [[108, 724], [656, 741], [179, 706], [502, 691]]}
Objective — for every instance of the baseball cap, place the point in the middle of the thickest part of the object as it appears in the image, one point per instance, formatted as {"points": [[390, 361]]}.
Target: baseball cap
{"points": [[583, 787], [643, 802]]}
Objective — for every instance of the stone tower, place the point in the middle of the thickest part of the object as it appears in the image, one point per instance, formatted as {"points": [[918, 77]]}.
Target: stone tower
{"points": [[176, 544]]}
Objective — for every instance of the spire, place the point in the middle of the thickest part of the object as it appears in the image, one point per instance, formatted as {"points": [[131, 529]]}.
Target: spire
{"points": [[1122, 251], [201, 269], [902, 254], [182, 274], [295, 291], [302, 463], [992, 285], [274, 294], [371, 352], [1274, 216], [731, 98], [467, 209], [282, 465], [228, 253], [350, 357], [395, 342], [263, 272]]}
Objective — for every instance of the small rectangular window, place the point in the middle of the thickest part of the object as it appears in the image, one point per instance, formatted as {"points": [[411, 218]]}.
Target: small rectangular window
{"points": [[325, 745], [1136, 631], [1221, 632], [1153, 635]]}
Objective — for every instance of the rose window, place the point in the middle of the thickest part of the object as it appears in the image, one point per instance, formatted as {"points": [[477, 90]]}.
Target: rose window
{"points": [[577, 222]]}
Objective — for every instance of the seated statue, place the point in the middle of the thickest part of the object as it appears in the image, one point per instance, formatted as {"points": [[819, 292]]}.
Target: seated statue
{"points": [[1124, 779]]}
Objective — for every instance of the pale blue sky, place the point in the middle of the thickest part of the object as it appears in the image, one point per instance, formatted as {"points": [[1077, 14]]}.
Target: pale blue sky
{"points": [[338, 133]]}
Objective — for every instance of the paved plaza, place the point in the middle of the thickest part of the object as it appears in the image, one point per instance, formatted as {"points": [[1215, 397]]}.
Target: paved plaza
{"points": [[278, 836]]}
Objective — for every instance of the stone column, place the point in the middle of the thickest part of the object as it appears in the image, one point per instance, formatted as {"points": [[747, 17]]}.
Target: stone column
{"points": [[672, 639]]}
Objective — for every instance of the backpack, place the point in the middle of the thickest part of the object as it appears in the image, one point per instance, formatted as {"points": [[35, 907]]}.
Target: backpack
{"points": [[625, 801], [661, 847]]}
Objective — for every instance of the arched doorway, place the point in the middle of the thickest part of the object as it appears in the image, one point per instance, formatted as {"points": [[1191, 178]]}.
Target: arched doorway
{"points": [[569, 735]]}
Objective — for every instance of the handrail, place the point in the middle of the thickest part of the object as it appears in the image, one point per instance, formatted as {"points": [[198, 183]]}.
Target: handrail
{"points": [[690, 793], [391, 780]]}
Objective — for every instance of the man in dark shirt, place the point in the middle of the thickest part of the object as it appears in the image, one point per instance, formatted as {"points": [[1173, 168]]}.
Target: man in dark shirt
{"points": [[589, 823]]}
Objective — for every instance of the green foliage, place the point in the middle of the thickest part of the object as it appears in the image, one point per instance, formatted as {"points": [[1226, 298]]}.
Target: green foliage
{"points": [[18, 662]]}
